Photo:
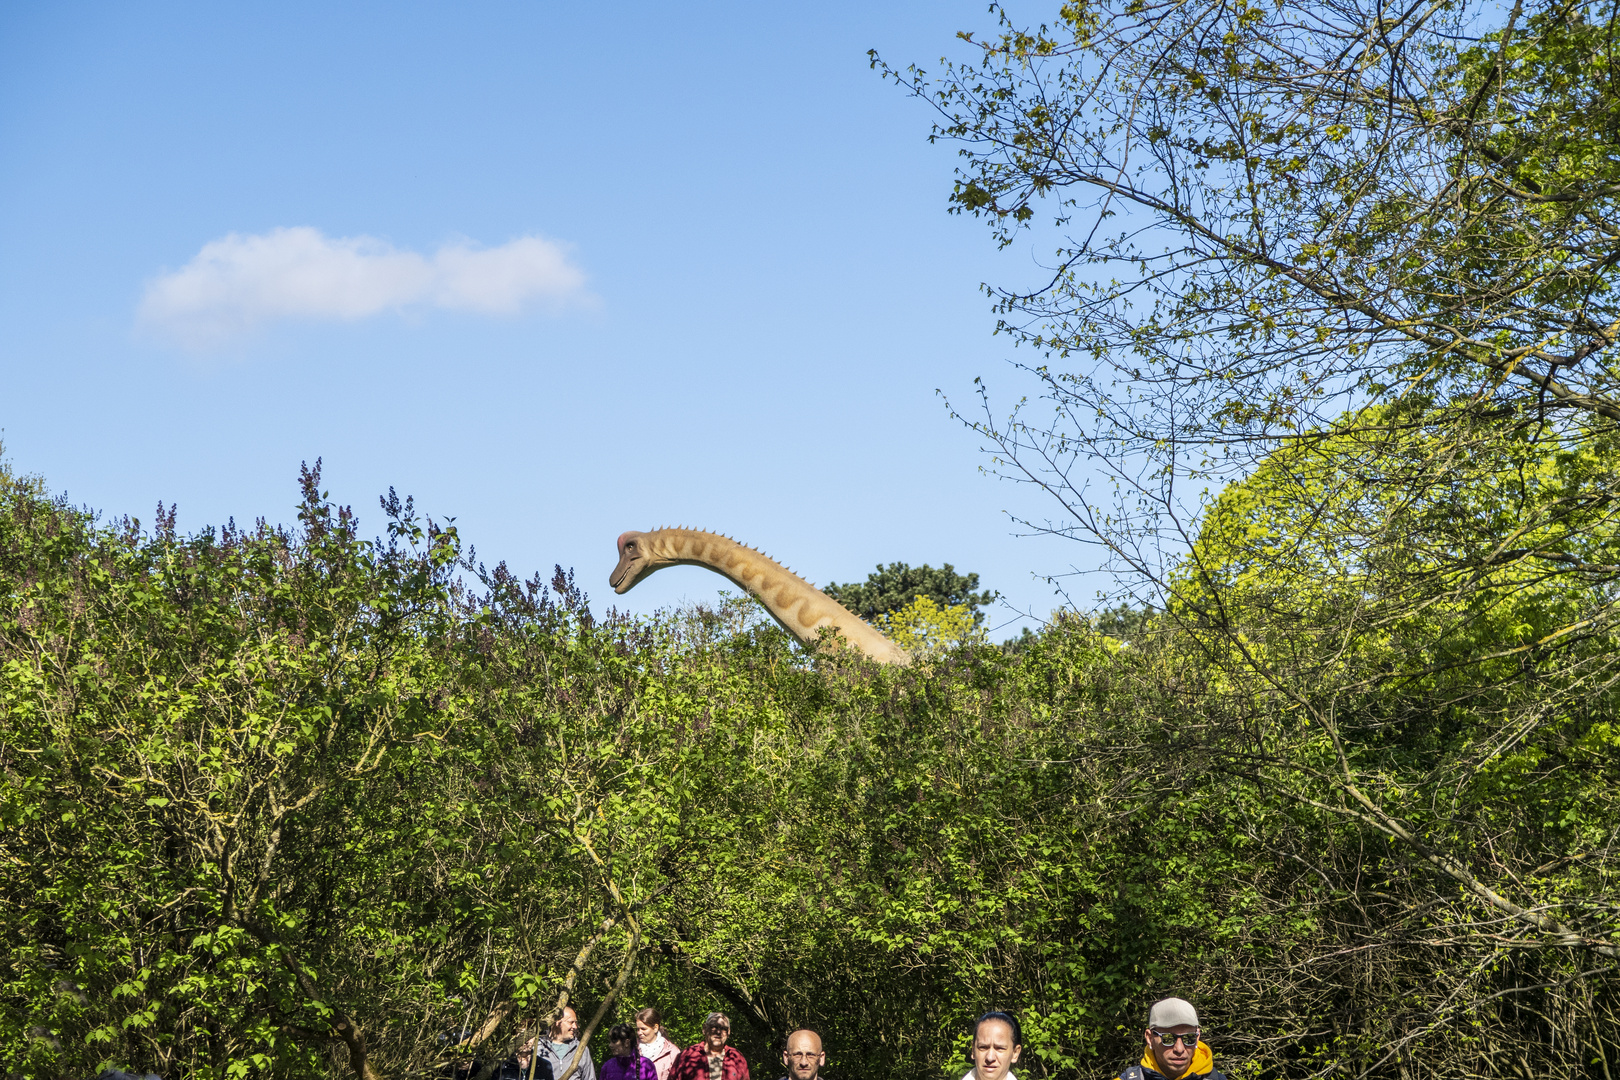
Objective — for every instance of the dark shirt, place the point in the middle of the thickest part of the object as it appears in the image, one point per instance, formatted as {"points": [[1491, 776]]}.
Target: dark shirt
{"points": [[511, 1070]]}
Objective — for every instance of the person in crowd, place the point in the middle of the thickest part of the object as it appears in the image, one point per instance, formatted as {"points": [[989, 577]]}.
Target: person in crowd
{"points": [[655, 1046], [998, 1040], [1175, 1050], [523, 1065], [710, 1058], [559, 1050], [803, 1056], [626, 1062], [457, 1066]]}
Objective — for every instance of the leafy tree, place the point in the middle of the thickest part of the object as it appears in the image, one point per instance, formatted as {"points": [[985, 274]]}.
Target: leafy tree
{"points": [[1448, 711], [266, 812], [1294, 207], [220, 854], [925, 629], [1358, 266], [1124, 622], [1026, 637], [1270, 218], [890, 588]]}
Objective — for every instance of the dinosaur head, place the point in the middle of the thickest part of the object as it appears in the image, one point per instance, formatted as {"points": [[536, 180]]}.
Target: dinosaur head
{"points": [[636, 561]]}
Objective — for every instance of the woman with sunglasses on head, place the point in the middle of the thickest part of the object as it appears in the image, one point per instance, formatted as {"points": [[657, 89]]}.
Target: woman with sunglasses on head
{"points": [[1175, 1050]]}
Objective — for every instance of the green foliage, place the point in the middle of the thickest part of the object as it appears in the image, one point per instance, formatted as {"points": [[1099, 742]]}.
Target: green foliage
{"points": [[925, 629], [1124, 622], [1255, 232], [260, 786], [286, 802], [212, 832], [1327, 368], [1026, 637], [891, 588], [1434, 660]]}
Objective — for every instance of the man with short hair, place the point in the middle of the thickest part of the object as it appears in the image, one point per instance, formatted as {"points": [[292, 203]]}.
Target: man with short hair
{"points": [[1175, 1050], [803, 1056], [998, 1041], [560, 1049], [710, 1058]]}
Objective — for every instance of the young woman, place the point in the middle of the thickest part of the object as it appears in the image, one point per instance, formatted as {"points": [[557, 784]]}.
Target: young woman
{"points": [[626, 1062], [654, 1046]]}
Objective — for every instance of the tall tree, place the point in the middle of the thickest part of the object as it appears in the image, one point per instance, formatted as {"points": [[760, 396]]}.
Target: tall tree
{"points": [[1266, 213], [1267, 217], [889, 588], [222, 752], [1360, 265]]}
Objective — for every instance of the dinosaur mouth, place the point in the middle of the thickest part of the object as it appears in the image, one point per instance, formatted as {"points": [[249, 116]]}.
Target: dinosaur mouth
{"points": [[621, 580]]}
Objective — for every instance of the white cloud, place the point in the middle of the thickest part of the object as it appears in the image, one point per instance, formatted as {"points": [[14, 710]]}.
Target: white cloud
{"points": [[238, 283]]}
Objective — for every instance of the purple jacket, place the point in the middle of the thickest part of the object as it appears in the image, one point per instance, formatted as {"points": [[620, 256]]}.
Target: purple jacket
{"points": [[618, 1068]]}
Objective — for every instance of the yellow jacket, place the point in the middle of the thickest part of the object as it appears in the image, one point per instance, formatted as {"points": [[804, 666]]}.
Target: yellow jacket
{"points": [[1203, 1065]]}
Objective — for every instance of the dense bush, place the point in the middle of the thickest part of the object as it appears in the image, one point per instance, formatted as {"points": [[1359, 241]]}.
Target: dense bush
{"points": [[292, 803]]}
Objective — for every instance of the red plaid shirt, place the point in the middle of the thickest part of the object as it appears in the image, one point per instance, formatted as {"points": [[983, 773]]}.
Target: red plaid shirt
{"points": [[693, 1064]]}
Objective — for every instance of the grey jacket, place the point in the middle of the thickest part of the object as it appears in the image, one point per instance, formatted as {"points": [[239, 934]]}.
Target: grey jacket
{"points": [[561, 1053]]}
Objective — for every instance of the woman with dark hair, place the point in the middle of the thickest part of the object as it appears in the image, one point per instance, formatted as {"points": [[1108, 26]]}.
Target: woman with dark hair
{"points": [[655, 1047], [997, 1041], [626, 1063]]}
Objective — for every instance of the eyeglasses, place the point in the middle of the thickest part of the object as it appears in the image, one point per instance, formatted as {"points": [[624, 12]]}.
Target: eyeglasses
{"points": [[1168, 1039], [804, 1054]]}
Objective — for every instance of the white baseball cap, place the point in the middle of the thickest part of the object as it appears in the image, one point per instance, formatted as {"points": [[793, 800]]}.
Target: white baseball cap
{"points": [[1172, 1012]]}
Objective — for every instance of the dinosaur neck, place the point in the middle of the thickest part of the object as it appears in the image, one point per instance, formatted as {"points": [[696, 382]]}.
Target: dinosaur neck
{"points": [[798, 606]]}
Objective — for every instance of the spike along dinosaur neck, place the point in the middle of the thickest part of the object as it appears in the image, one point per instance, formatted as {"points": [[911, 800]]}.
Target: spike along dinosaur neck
{"points": [[797, 606]]}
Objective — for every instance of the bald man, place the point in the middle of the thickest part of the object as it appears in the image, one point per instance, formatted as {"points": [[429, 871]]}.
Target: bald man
{"points": [[803, 1056]]}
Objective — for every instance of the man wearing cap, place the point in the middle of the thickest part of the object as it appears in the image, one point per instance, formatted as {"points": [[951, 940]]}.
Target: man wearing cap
{"points": [[1174, 1049]]}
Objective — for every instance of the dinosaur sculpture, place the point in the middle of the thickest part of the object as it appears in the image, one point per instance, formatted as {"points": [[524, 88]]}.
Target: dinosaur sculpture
{"points": [[798, 606]]}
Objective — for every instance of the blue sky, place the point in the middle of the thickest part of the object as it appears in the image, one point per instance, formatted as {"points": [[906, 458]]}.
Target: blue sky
{"points": [[739, 292]]}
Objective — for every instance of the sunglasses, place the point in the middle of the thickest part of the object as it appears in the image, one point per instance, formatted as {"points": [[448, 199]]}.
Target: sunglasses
{"points": [[1167, 1039]]}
